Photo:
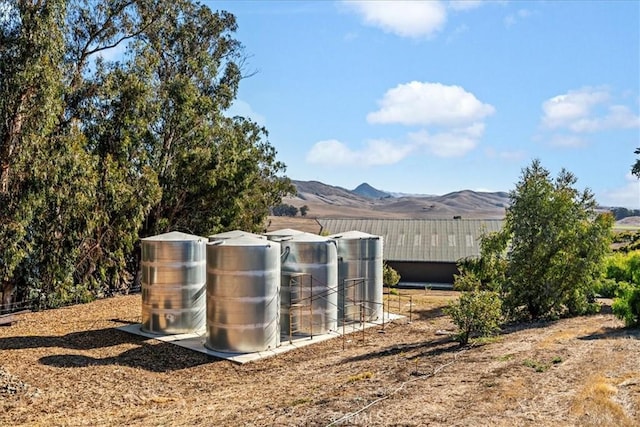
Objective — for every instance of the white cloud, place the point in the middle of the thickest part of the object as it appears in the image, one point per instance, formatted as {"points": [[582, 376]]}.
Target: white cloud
{"points": [[419, 103], [453, 143], [375, 152], [587, 110], [243, 109], [564, 110], [617, 117], [627, 196], [413, 19]]}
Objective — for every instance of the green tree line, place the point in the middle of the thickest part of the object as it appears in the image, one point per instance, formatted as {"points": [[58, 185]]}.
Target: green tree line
{"points": [[95, 154]]}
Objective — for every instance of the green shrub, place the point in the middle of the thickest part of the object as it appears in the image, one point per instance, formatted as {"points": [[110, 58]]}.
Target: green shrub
{"points": [[476, 313], [610, 288], [390, 277], [623, 267], [466, 281], [627, 306]]}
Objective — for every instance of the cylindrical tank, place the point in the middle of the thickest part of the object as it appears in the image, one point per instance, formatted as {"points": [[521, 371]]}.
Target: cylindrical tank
{"points": [[243, 295], [309, 284], [234, 234], [360, 276], [173, 283]]}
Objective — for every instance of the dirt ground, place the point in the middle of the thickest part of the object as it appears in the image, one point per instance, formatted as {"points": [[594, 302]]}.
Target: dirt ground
{"points": [[72, 367]]}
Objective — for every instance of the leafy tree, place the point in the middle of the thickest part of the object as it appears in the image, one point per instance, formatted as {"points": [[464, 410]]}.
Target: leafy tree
{"points": [[621, 213], [553, 244], [285, 209], [390, 277], [46, 176], [488, 271], [635, 169], [95, 154], [303, 210]]}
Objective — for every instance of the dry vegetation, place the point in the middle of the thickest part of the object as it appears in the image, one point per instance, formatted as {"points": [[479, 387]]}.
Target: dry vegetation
{"points": [[72, 367]]}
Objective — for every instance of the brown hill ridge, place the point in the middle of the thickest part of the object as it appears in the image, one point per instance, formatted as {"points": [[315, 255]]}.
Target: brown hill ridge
{"points": [[336, 202]]}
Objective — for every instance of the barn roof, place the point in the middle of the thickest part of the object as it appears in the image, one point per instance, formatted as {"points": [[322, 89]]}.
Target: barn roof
{"points": [[431, 240]]}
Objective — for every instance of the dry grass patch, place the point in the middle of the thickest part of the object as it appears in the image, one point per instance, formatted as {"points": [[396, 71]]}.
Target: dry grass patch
{"points": [[86, 372], [596, 404]]}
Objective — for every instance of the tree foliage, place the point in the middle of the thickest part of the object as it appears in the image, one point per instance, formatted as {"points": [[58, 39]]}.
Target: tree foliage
{"points": [[390, 277], [284, 209], [475, 313], [549, 254], [95, 154], [635, 168], [627, 305]]}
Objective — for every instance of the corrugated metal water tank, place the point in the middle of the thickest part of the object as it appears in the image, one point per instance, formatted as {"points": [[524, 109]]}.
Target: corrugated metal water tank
{"points": [[243, 295], [173, 283], [309, 280], [234, 234], [360, 275]]}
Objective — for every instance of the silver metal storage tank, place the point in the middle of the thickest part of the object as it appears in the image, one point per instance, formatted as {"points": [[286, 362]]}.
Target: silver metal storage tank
{"points": [[234, 234], [360, 275], [310, 282], [173, 283], [243, 295], [282, 233]]}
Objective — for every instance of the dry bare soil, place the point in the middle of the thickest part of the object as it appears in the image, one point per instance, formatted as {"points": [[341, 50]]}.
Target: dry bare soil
{"points": [[72, 367]]}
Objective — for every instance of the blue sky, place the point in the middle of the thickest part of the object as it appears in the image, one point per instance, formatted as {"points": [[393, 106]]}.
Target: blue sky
{"points": [[439, 96]]}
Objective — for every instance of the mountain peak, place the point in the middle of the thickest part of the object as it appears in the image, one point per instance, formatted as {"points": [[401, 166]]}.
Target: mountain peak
{"points": [[365, 190]]}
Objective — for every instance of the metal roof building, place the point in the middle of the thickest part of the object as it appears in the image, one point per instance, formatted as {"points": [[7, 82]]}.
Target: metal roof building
{"points": [[421, 250]]}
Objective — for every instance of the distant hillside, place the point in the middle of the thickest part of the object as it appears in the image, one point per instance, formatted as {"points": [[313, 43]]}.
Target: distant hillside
{"points": [[317, 191], [365, 190], [365, 201], [471, 200], [329, 201]]}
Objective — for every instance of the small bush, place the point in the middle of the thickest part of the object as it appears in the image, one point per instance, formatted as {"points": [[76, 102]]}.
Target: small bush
{"points": [[536, 365], [360, 377], [627, 306], [556, 360], [476, 313], [390, 277]]}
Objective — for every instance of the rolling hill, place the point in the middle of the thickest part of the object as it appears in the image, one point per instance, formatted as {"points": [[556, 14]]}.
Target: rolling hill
{"points": [[368, 202]]}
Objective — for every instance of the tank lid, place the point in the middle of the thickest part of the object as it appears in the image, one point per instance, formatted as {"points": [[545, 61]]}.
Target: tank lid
{"points": [[244, 241], [174, 236], [304, 237], [354, 234], [284, 232], [234, 234]]}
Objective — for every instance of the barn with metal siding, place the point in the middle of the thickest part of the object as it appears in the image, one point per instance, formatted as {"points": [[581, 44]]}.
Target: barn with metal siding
{"points": [[422, 250]]}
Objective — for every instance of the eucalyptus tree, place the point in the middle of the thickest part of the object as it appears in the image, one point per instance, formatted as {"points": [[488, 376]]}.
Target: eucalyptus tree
{"points": [[95, 153], [42, 169]]}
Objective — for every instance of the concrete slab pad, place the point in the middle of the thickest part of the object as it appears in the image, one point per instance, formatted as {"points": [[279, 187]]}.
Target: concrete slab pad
{"points": [[195, 341]]}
